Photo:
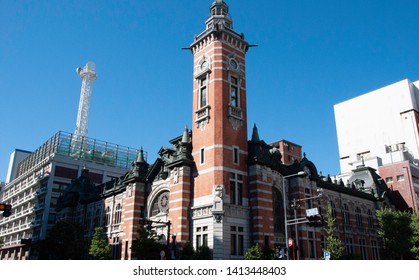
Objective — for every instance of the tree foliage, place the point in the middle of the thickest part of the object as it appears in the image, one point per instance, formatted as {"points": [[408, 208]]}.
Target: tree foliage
{"points": [[253, 253], [333, 244], [64, 241], [147, 245], [257, 253], [203, 253], [99, 248], [400, 233], [414, 249]]}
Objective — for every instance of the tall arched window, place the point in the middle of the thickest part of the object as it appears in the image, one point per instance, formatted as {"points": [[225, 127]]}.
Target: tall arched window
{"points": [[108, 216], [96, 221], [358, 216], [118, 213], [333, 207], [278, 211], [346, 216], [370, 219]]}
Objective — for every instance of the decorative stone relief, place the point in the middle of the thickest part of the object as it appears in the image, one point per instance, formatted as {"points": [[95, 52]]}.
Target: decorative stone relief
{"points": [[235, 123], [176, 175], [129, 190], [218, 204]]}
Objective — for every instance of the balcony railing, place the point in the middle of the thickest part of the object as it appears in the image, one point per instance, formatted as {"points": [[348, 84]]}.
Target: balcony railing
{"points": [[66, 144]]}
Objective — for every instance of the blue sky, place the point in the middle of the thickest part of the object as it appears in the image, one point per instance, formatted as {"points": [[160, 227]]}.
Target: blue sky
{"points": [[311, 55]]}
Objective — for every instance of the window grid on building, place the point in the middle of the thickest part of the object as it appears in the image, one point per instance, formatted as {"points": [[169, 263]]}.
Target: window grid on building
{"points": [[237, 241], [236, 189]]}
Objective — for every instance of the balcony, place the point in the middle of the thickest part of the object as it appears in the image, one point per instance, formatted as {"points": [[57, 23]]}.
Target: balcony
{"points": [[39, 206], [41, 190], [36, 223], [235, 116], [235, 112], [202, 116]]}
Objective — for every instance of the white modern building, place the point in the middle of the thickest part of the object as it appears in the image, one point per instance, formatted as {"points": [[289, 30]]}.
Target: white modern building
{"points": [[380, 129], [16, 157], [39, 180]]}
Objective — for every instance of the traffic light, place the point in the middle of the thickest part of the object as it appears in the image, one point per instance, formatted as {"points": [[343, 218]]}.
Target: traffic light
{"points": [[315, 221], [6, 208]]}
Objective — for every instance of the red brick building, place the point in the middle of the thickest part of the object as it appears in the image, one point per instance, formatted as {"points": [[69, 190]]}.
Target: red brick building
{"points": [[214, 187]]}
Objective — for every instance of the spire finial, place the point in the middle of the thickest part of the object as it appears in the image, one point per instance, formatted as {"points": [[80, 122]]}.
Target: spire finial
{"points": [[185, 136], [255, 134], [140, 156]]}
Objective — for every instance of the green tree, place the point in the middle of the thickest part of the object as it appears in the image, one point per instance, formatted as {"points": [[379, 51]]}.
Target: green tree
{"points": [[64, 241], [253, 253], [414, 249], [147, 245], [333, 244], [396, 231], [99, 248], [188, 251], [203, 253]]}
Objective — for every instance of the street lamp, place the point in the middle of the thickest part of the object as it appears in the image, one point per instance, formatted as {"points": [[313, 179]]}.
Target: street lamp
{"points": [[299, 174]]}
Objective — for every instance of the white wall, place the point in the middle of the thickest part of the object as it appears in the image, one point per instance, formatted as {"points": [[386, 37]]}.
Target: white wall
{"points": [[15, 158], [373, 120]]}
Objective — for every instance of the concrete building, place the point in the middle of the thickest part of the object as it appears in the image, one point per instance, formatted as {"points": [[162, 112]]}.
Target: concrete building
{"points": [[40, 180], [15, 158], [380, 129]]}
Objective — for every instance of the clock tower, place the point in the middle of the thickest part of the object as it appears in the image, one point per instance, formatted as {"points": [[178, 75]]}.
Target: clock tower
{"points": [[219, 136]]}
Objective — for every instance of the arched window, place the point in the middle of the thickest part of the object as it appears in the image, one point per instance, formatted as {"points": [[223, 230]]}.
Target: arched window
{"points": [[88, 221], [118, 213], [370, 219], [346, 216], [358, 216], [108, 216], [96, 221], [333, 207], [278, 211]]}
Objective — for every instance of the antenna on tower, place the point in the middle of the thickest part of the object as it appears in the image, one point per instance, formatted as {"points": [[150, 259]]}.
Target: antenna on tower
{"points": [[88, 75]]}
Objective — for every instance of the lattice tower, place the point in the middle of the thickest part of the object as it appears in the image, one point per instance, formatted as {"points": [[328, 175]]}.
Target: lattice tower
{"points": [[88, 75]]}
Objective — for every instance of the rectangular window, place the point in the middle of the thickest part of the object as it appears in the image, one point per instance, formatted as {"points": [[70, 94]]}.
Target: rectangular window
{"points": [[311, 245], [237, 241], [400, 178], [232, 192], [203, 94], [202, 156], [198, 241], [349, 246], [233, 249], [374, 247], [389, 180], [205, 240], [308, 202], [236, 155], [240, 245], [201, 236], [363, 249], [234, 92], [236, 189]]}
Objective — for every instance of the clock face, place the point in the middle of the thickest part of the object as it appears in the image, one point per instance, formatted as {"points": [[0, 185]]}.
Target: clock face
{"points": [[233, 64], [164, 202], [204, 65]]}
